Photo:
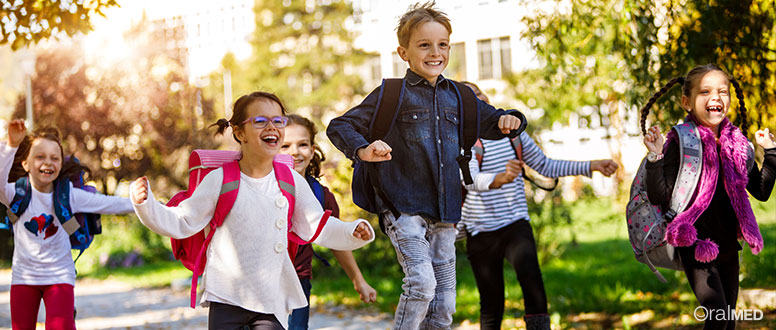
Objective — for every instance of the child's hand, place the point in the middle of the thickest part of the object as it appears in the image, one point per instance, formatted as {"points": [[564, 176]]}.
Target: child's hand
{"points": [[513, 169], [362, 231], [764, 138], [365, 292], [508, 123], [378, 151], [607, 167], [140, 192], [16, 132], [653, 140]]}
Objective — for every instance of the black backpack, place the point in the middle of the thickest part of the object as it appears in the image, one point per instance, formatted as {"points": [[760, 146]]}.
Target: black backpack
{"points": [[366, 181]]}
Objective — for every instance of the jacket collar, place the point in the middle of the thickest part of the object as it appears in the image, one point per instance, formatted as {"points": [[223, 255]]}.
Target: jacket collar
{"points": [[414, 79]]}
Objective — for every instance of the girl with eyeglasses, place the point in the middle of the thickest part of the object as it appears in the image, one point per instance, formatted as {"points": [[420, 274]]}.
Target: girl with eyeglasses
{"points": [[249, 279]]}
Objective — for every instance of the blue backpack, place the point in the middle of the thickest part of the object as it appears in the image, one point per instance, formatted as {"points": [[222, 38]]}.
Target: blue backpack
{"points": [[80, 226], [366, 181]]}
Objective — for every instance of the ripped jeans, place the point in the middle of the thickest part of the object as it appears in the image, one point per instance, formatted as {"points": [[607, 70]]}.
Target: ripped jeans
{"points": [[426, 253]]}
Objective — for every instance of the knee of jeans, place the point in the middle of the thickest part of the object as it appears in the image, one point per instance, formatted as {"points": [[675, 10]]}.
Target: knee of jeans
{"points": [[421, 286]]}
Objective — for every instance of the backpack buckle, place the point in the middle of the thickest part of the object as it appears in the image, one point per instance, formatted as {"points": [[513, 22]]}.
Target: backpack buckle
{"points": [[463, 162], [670, 215]]}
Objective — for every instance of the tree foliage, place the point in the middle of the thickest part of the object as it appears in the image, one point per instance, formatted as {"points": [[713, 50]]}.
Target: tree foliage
{"points": [[303, 52], [25, 22], [126, 119], [626, 49]]}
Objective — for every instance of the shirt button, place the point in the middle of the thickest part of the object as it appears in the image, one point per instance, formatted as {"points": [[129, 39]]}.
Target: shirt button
{"points": [[280, 202], [280, 223], [279, 247], [439, 141], [437, 117], [441, 165], [414, 116]]}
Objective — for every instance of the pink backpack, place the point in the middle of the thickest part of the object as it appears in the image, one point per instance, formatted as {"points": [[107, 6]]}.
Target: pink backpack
{"points": [[191, 250]]}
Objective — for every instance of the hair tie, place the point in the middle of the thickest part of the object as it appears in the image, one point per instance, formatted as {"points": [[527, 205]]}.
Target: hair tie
{"points": [[680, 80], [223, 123]]}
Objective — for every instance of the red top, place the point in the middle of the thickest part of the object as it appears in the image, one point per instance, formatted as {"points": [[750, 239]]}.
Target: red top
{"points": [[304, 255]]}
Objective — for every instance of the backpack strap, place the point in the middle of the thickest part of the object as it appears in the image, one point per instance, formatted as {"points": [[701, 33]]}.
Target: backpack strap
{"points": [[316, 187], [387, 109], [479, 152], [286, 182], [690, 153], [21, 199], [517, 146], [64, 212], [230, 186], [468, 130]]}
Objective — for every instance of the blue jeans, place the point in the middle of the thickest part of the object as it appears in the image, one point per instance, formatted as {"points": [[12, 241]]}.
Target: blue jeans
{"points": [[301, 316], [426, 253]]}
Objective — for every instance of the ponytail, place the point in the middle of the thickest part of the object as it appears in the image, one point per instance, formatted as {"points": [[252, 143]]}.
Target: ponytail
{"points": [[645, 110], [740, 95]]}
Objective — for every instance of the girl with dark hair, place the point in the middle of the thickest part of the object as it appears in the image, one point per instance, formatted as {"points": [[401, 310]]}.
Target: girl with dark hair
{"points": [[249, 279], [43, 266], [299, 142], [707, 232]]}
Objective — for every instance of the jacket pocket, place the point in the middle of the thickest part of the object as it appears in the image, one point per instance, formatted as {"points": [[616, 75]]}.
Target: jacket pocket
{"points": [[415, 124], [451, 124]]}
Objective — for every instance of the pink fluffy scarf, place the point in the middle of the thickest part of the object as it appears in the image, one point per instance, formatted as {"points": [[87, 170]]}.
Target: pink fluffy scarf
{"points": [[733, 152]]}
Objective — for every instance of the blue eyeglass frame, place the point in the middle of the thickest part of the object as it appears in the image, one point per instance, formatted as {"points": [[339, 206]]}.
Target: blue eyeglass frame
{"points": [[283, 121]]}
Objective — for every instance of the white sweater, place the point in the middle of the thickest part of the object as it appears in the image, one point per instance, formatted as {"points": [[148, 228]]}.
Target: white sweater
{"points": [[42, 256], [247, 260]]}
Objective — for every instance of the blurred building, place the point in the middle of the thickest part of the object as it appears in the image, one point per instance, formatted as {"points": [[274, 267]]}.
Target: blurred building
{"points": [[205, 30]]}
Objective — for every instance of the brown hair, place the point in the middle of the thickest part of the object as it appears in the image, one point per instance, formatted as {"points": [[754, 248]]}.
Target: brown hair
{"points": [[417, 15], [240, 114], [314, 168], [688, 82], [69, 168]]}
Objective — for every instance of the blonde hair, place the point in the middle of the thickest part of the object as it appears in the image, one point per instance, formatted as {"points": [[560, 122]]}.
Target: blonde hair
{"points": [[417, 15]]}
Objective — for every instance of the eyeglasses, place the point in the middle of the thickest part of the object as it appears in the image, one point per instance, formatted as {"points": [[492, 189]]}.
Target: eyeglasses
{"points": [[260, 122]]}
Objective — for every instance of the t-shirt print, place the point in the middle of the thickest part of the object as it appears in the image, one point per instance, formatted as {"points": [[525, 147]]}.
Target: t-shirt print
{"points": [[44, 223]]}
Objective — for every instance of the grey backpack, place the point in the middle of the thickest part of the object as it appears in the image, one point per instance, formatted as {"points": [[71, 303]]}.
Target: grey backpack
{"points": [[647, 222]]}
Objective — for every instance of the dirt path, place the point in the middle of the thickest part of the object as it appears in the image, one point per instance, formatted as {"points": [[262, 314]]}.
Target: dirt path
{"points": [[116, 305]]}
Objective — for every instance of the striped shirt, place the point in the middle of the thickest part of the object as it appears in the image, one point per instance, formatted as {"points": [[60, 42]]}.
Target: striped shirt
{"points": [[488, 210]]}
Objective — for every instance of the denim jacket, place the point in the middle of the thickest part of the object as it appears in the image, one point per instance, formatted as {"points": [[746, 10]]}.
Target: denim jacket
{"points": [[422, 178]]}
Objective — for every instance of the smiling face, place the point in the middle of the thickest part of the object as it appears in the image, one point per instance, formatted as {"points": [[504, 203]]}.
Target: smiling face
{"points": [[297, 144], [43, 163], [261, 142], [428, 50], [709, 99]]}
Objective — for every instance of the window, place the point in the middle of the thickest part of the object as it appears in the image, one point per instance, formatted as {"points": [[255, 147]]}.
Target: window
{"points": [[399, 66], [485, 54], [456, 66], [506, 56], [374, 72]]}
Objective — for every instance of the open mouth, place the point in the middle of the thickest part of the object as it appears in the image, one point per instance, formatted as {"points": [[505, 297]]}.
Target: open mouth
{"points": [[270, 139], [47, 172], [434, 63], [714, 108]]}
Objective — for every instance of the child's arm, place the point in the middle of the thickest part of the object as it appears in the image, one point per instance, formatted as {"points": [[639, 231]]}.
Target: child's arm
{"points": [[484, 181], [184, 220], [336, 234], [83, 201], [496, 124], [761, 181], [16, 133], [661, 175], [553, 168], [366, 293], [348, 132]]}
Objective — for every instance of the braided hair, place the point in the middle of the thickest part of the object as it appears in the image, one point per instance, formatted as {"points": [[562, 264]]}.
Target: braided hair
{"points": [[645, 109], [688, 82]]}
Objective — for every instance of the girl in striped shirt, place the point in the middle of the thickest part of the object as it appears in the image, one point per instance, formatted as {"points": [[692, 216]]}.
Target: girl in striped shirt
{"points": [[495, 217]]}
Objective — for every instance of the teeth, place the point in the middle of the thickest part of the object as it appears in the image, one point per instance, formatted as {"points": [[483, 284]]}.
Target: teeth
{"points": [[270, 138], [434, 63]]}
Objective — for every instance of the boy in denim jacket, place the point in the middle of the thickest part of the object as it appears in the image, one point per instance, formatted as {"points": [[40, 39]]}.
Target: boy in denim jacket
{"points": [[421, 176]]}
